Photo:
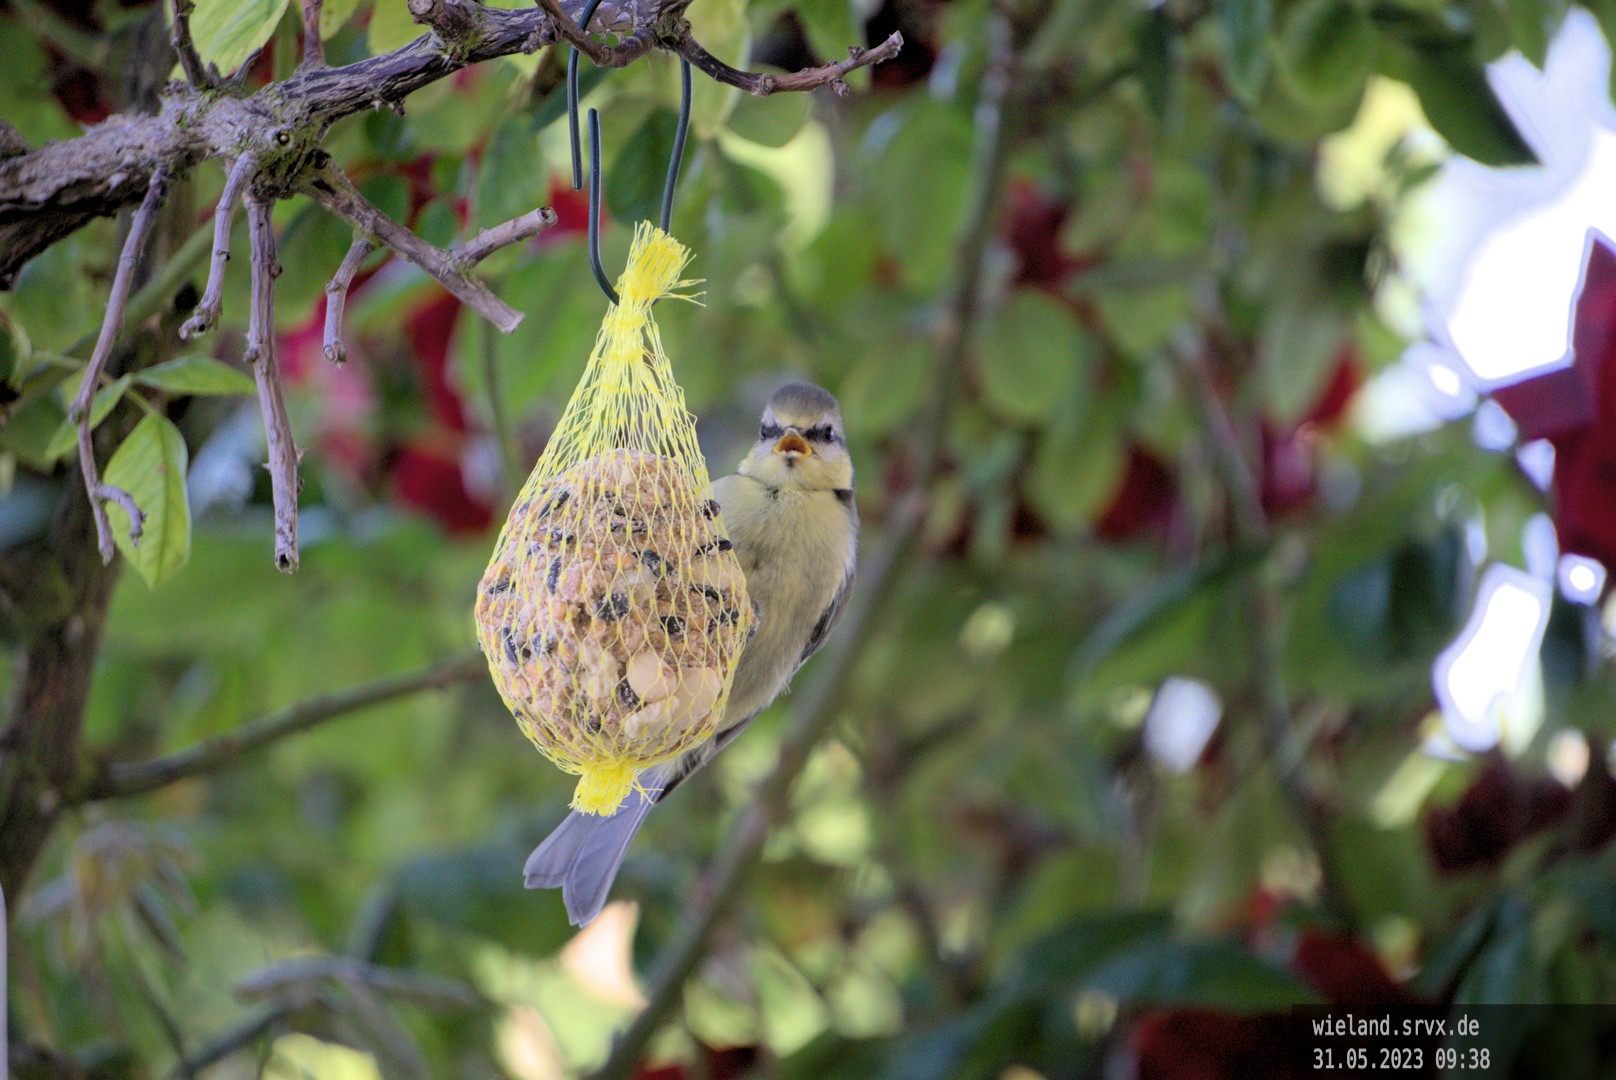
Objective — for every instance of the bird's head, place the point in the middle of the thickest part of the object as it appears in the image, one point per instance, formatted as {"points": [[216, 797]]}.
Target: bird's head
{"points": [[800, 443]]}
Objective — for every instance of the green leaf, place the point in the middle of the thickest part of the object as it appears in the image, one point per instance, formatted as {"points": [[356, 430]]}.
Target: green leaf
{"points": [[31, 430], [391, 27], [922, 163], [1158, 63], [1031, 356], [1453, 90], [15, 351], [1246, 24], [100, 405], [1327, 49], [1162, 628], [724, 30], [197, 375], [769, 121], [26, 100], [1078, 462], [830, 27], [634, 180], [513, 178], [335, 13], [1066, 955], [1532, 23], [150, 466], [227, 32], [1167, 972], [1299, 344]]}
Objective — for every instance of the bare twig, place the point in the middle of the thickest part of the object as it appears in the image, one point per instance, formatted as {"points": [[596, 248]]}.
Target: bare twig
{"points": [[313, 44], [211, 755], [111, 325], [762, 85], [224, 218], [283, 455], [180, 36], [336, 295], [720, 886], [332, 190], [633, 46], [514, 231]]}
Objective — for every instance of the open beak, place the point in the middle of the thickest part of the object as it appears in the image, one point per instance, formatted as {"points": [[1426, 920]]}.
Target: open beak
{"points": [[793, 443]]}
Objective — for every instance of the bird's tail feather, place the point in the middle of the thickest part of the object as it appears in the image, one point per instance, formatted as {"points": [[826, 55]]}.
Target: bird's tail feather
{"points": [[583, 856]]}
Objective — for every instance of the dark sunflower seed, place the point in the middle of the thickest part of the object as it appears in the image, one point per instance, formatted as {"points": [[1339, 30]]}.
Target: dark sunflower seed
{"points": [[626, 694], [709, 592], [651, 561], [715, 546], [673, 624], [507, 638], [710, 510], [612, 606], [554, 574], [503, 585], [554, 502]]}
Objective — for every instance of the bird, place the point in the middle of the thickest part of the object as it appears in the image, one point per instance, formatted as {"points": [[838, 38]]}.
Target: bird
{"points": [[790, 512]]}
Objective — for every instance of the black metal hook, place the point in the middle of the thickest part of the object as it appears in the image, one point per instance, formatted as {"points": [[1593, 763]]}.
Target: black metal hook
{"points": [[668, 185]]}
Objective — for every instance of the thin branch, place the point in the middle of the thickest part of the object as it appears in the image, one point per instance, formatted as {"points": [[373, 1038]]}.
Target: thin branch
{"points": [[263, 1021], [633, 46], [514, 231], [224, 218], [50, 192], [180, 37], [313, 44], [720, 886], [283, 455], [124, 780], [332, 190], [762, 85], [134, 244], [336, 295], [1287, 751]]}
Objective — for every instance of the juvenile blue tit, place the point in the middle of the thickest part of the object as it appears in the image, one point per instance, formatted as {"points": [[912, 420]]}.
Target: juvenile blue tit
{"points": [[790, 514]]}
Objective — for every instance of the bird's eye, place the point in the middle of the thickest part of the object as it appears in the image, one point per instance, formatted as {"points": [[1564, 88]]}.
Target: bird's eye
{"points": [[770, 431]]}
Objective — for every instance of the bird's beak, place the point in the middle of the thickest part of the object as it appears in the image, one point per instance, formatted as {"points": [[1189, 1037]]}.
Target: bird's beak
{"points": [[793, 443]]}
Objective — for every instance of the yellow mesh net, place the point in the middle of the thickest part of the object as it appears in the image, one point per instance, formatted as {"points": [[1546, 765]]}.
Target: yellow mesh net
{"points": [[613, 610]]}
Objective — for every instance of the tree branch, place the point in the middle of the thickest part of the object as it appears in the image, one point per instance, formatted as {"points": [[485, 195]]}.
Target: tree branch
{"points": [[207, 310], [514, 231], [635, 45], [336, 295], [332, 190], [313, 43], [48, 193], [180, 37], [111, 324], [283, 455], [762, 85], [119, 781], [720, 886]]}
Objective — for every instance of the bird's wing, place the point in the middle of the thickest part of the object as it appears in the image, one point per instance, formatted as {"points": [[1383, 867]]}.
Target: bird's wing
{"points": [[828, 620], [680, 768]]}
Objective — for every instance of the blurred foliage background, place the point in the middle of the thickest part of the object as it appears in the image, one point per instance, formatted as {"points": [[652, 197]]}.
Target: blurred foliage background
{"points": [[1145, 259]]}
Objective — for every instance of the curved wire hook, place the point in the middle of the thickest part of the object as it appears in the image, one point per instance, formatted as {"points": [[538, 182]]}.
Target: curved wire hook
{"points": [[681, 132]]}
